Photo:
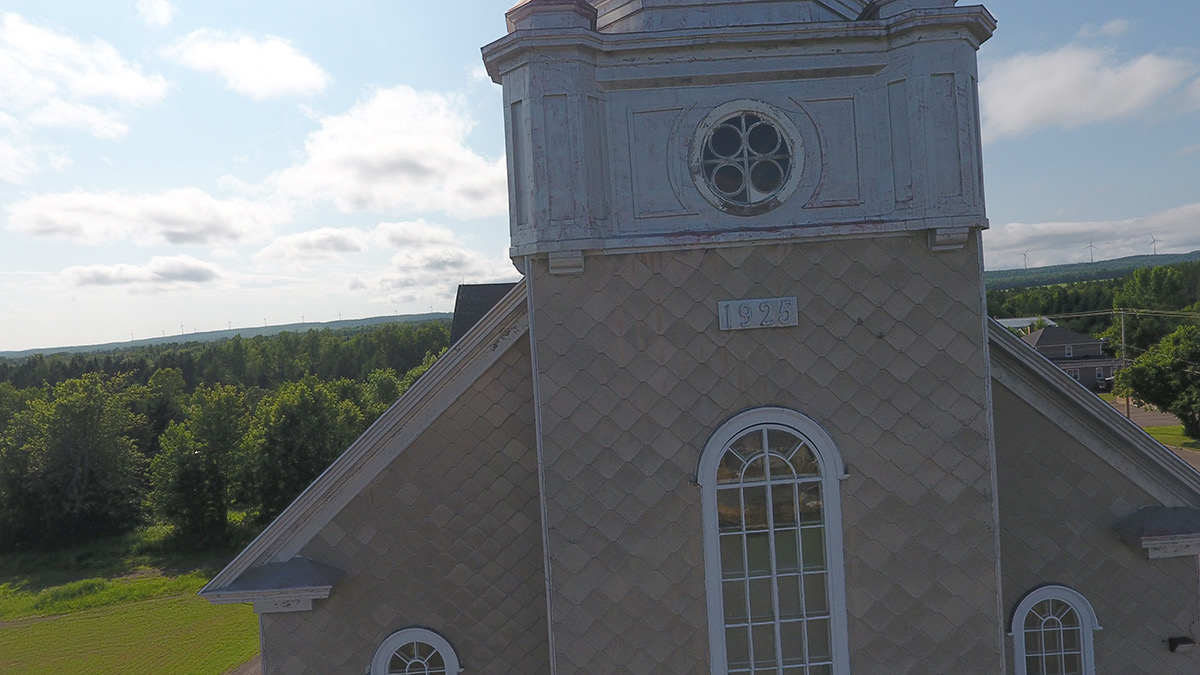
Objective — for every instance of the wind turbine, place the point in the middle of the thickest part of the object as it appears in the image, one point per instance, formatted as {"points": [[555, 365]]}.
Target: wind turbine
{"points": [[1154, 243], [1092, 250], [1025, 255]]}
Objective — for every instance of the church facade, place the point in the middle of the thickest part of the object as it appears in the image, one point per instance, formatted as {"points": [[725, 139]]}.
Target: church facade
{"points": [[745, 412]]}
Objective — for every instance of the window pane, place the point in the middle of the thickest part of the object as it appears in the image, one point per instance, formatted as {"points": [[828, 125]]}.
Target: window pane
{"points": [[737, 647], [758, 553], [756, 470], [811, 512], [812, 546], [789, 597], [780, 469], [818, 639], [816, 600], [730, 470], [755, 505], [748, 445], [1072, 664], [731, 556], [734, 594], [804, 463], [787, 555], [729, 510], [791, 641], [762, 596], [783, 504], [764, 645]]}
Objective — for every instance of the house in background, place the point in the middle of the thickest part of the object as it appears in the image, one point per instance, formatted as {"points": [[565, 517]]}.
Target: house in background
{"points": [[745, 412], [1080, 356], [1023, 325]]}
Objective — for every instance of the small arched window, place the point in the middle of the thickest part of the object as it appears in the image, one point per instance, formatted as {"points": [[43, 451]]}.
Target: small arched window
{"points": [[773, 546], [1052, 633], [415, 651]]}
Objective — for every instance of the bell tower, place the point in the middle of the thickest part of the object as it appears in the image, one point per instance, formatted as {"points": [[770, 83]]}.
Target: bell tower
{"points": [[750, 231]]}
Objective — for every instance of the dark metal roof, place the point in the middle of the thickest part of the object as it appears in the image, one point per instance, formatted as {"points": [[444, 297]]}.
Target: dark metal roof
{"points": [[472, 302], [1053, 336]]}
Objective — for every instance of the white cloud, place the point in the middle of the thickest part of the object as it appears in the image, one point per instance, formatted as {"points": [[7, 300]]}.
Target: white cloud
{"points": [[259, 68], [1189, 149], [72, 114], [49, 79], [415, 234], [1112, 29], [155, 13], [1072, 86], [399, 150], [1177, 231], [183, 216], [18, 156], [322, 244], [160, 273]]}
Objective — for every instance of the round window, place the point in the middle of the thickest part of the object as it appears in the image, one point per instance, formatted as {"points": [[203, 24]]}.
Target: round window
{"points": [[746, 161]]}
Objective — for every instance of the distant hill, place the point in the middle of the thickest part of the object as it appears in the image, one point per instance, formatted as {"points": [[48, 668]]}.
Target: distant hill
{"points": [[212, 336], [998, 280]]}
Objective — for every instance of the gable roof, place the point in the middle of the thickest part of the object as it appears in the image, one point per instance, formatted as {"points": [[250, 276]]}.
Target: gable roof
{"points": [[1098, 425], [449, 377], [1054, 336], [472, 303]]}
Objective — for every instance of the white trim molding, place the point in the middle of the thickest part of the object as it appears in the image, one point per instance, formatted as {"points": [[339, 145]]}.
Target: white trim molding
{"points": [[1088, 624], [407, 636], [817, 447]]}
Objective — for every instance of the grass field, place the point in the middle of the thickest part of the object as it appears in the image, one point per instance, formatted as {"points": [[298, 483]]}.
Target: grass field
{"points": [[1173, 435], [123, 605]]}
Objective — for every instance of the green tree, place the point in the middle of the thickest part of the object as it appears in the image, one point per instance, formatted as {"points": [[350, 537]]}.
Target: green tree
{"points": [[1168, 377], [191, 475], [77, 468], [295, 434]]}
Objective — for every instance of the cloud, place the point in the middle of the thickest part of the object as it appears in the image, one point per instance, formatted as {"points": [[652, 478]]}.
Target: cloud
{"points": [[1188, 150], [259, 68], [159, 273], [183, 216], [399, 150], [155, 13], [415, 234], [1072, 86], [322, 244], [1112, 29], [1177, 231], [18, 156], [48, 79]]}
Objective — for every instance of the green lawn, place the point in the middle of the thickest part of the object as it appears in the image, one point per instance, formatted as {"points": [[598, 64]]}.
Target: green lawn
{"points": [[181, 635], [1173, 435], [121, 605]]}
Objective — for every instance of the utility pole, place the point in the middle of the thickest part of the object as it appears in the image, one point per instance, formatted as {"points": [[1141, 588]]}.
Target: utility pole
{"points": [[1124, 361]]}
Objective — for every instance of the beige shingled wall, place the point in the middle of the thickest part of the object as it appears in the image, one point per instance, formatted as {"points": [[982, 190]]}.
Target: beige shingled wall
{"points": [[634, 375], [448, 537], [1053, 490]]}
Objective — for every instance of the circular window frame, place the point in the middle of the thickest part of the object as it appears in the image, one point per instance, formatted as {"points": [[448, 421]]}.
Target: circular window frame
{"points": [[404, 636], [782, 124]]}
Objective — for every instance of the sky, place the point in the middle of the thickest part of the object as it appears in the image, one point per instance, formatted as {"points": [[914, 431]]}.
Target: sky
{"points": [[173, 166]]}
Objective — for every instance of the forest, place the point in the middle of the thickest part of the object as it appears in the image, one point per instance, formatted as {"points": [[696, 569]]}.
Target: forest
{"points": [[203, 437]]}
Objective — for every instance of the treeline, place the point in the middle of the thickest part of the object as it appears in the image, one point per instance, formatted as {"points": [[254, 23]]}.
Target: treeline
{"points": [[261, 361], [1142, 296], [1089, 271], [94, 450], [1150, 317]]}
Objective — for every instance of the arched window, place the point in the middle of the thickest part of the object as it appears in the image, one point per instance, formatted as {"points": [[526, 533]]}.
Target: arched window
{"points": [[415, 651], [773, 546], [1052, 633]]}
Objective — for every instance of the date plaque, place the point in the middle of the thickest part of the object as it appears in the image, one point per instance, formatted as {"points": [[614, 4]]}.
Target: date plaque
{"points": [[757, 313]]}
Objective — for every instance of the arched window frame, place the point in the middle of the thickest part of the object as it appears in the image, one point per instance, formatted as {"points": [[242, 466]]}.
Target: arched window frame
{"points": [[1088, 623], [379, 663], [832, 472]]}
